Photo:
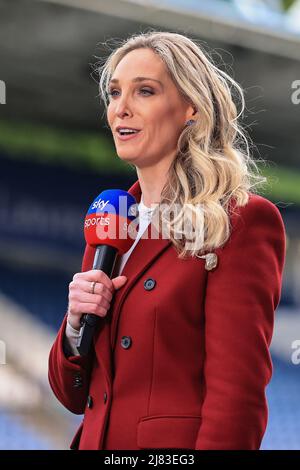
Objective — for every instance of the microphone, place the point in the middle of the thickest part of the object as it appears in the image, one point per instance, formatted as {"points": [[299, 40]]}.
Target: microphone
{"points": [[110, 226]]}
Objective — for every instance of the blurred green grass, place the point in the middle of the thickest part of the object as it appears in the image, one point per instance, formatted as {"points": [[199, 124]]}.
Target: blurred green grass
{"points": [[51, 145], [96, 152]]}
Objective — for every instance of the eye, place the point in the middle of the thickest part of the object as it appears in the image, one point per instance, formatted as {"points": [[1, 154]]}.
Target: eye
{"points": [[143, 90], [111, 92], [147, 91]]}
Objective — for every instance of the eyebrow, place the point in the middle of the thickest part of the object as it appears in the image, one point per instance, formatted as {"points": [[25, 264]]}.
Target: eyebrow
{"points": [[138, 79]]}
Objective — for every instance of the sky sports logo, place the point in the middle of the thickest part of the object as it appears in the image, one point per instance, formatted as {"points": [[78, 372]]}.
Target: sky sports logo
{"points": [[118, 205], [96, 220], [2, 92], [99, 204]]}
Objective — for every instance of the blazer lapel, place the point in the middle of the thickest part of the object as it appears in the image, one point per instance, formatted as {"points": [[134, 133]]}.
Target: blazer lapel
{"points": [[143, 255]]}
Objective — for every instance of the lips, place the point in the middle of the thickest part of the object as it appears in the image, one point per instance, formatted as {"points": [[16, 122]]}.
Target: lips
{"points": [[126, 127], [128, 136]]}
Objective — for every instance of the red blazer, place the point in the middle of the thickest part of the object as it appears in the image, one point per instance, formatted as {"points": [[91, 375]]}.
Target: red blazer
{"points": [[192, 369]]}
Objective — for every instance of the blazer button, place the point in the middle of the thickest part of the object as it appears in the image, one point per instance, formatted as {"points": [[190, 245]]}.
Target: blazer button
{"points": [[77, 381], [90, 401], [126, 342], [105, 397], [149, 284]]}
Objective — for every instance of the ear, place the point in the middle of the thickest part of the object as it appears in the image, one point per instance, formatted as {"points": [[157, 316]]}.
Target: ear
{"points": [[191, 113]]}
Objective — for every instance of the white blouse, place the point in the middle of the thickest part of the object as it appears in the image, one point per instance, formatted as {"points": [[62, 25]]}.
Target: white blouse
{"points": [[145, 214]]}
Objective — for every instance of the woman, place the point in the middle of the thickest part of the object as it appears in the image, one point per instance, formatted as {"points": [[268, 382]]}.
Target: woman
{"points": [[181, 358]]}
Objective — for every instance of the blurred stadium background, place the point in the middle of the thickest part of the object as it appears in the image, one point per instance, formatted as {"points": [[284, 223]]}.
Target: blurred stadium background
{"points": [[57, 154]]}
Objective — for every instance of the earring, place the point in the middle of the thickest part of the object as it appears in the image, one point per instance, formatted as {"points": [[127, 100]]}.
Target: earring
{"points": [[190, 122]]}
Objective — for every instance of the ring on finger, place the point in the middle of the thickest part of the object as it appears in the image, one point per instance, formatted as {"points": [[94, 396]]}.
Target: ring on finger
{"points": [[93, 287]]}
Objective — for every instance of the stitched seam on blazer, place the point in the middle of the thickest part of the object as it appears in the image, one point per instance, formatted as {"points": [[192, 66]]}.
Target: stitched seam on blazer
{"points": [[153, 362]]}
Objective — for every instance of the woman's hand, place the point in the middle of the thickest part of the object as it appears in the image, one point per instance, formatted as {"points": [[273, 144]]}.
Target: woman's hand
{"points": [[81, 299]]}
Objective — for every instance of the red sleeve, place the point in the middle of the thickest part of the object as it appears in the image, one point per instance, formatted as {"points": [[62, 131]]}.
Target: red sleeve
{"points": [[69, 376], [242, 295]]}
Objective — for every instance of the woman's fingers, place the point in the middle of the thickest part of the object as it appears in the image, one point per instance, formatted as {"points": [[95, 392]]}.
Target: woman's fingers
{"points": [[91, 308], [91, 292], [84, 297], [94, 275], [119, 281], [86, 286]]}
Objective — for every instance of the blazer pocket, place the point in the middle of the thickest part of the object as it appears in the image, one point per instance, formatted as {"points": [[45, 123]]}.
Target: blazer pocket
{"points": [[168, 431], [76, 439]]}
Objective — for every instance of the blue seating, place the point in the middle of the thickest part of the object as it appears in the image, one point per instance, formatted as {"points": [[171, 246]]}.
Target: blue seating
{"points": [[42, 293], [14, 435], [284, 411]]}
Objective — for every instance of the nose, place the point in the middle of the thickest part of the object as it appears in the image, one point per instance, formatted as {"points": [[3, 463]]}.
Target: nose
{"points": [[122, 107], [122, 111]]}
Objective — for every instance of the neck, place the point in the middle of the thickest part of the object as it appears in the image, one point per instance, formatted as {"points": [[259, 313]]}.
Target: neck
{"points": [[152, 180]]}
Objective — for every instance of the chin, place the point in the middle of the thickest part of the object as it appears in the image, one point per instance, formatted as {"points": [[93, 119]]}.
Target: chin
{"points": [[127, 156]]}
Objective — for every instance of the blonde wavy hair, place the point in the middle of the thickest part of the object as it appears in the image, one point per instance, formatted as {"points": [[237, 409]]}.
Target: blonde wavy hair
{"points": [[213, 162]]}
